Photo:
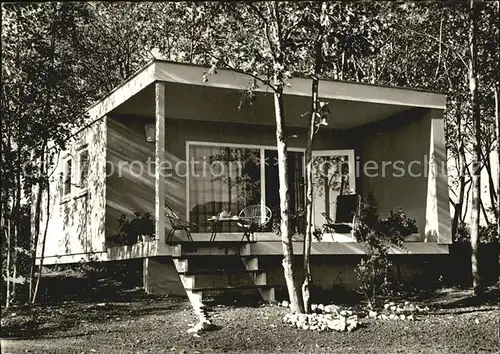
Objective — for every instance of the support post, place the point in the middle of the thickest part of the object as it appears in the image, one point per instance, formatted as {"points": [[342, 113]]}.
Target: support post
{"points": [[438, 220], [159, 159]]}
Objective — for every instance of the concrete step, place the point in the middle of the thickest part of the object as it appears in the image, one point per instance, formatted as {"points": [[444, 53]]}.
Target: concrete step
{"points": [[224, 248], [207, 264], [221, 271], [223, 279], [231, 287]]}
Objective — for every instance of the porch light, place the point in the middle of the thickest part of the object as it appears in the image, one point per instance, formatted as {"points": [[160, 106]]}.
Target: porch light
{"points": [[150, 131]]}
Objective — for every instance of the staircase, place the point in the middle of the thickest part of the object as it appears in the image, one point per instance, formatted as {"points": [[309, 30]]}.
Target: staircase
{"points": [[215, 268]]}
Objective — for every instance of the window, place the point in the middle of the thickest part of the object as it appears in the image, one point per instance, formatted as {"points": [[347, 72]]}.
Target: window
{"points": [[66, 177], [232, 177], [83, 168]]}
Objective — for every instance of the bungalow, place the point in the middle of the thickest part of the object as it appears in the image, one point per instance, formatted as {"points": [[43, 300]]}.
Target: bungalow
{"points": [[167, 137]]}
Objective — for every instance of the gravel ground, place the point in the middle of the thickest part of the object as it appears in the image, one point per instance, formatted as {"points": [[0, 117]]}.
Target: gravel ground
{"points": [[158, 325]]}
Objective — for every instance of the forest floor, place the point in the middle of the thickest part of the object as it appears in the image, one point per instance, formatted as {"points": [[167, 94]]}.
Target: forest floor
{"points": [[129, 321]]}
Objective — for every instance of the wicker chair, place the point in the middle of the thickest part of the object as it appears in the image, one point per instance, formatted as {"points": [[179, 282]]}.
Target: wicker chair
{"points": [[253, 218], [176, 223]]}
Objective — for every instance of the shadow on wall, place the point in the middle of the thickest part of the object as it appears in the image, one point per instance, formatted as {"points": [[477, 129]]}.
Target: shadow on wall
{"points": [[405, 138], [130, 182], [76, 225]]}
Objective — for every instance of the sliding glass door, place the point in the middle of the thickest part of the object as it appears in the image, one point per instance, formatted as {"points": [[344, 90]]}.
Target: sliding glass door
{"points": [[222, 179], [231, 177]]}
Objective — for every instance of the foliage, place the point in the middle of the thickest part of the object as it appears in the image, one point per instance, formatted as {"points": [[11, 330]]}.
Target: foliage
{"points": [[397, 226], [330, 172], [132, 229], [297, 223], [59, 57], [378, 235], [43, 95], [241, 171], [372, 274], [487, 234]]}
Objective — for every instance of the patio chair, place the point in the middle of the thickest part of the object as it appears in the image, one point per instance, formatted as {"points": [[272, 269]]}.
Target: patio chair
{"points": [[253, 218], [345, 215], [177, 223]]}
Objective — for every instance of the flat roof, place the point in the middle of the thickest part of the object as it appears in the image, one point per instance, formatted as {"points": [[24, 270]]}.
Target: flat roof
{"points": [[191, 74]]}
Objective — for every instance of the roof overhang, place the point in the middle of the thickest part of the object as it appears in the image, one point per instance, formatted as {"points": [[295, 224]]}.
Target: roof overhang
{"points": [[186, 74]]}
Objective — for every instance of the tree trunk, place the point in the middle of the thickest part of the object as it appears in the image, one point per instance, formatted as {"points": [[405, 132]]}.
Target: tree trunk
{"points": [[497, 122], [17, 226], [42, 253], [486, 158], [286, 238], [326, 183], [497, 131], [476, 157], [462, 164], [7, 266], [457, 218], [306, 291], [38, 207]]}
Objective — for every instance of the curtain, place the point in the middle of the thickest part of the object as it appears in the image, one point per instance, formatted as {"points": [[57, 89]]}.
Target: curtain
{"points": [[221, 178]]}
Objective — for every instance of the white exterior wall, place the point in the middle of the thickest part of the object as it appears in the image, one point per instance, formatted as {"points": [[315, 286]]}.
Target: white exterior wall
{"points": [[76, 223]]}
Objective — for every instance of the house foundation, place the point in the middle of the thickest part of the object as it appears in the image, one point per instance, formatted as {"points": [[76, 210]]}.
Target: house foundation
{"points": [[160, 277]]}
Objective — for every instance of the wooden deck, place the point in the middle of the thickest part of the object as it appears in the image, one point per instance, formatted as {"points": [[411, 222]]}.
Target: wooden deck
{"points": [[263, 244]]}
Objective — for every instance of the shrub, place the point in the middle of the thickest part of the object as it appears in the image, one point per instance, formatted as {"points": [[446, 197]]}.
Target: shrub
{"points": [[372, 274], [378, 235], [487, 234], [132, 229]]}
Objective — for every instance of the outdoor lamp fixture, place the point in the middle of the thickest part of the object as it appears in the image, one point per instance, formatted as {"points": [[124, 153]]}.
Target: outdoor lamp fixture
{"points": [[150, 131]]}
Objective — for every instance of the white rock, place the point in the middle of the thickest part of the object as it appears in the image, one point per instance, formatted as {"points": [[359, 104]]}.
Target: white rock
{"points": [[386, 306], [331, 324], [372, 314], [393, 308], [321, 307], [352, 323], [285, 303], [331, 309], [340, 326], [402, 317], [314, 307], [411, 317], [419, 309], [393, 316]]}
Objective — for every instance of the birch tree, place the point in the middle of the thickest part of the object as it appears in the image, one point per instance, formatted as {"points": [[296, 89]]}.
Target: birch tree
{"points": [[335, 34], [253, 38], [476, 158]]}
